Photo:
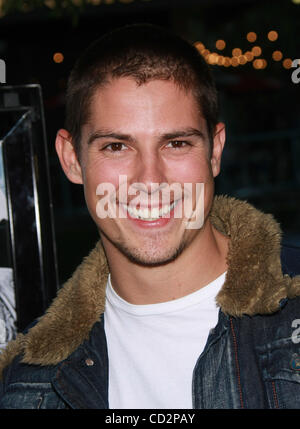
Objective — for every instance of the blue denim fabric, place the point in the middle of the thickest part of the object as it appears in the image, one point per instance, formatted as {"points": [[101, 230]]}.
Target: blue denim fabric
{"points": [[248, 362], [73, 383]]}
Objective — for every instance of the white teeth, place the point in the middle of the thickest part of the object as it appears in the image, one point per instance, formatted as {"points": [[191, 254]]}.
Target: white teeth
{"points": [[150, 214], [154, 213]]}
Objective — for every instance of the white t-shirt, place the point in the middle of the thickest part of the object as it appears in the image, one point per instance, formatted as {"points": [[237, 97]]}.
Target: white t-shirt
{"points": [[153, 349]]}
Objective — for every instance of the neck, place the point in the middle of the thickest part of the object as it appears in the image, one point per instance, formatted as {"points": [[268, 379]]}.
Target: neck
{"points": [[199, 264]]}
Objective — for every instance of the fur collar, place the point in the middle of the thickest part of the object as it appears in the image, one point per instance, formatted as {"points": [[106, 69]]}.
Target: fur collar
{"points": [[254, 285]]}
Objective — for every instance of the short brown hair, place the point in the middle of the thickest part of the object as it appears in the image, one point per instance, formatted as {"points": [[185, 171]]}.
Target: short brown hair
{"points": [[143, 52]]}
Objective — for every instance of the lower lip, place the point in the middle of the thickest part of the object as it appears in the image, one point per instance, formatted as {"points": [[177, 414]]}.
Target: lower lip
{"points": [[157, 223]]}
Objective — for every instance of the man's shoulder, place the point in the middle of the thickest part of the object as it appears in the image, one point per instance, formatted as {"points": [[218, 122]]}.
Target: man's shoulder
{"points": [[18, 370], [27, 386]]}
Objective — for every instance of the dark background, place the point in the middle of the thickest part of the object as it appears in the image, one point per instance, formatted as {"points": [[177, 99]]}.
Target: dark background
{"points": [[260, 107]]}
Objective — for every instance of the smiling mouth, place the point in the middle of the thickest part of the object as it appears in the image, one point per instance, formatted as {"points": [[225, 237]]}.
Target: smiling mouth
{"points": [[150, 214]]}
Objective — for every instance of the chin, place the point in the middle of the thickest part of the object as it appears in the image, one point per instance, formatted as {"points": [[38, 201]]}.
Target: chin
{"points": [[149, 256], [146, 260]]}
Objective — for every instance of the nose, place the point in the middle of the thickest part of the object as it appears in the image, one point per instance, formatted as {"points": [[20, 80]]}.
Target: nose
{"points": [[151, 172]]}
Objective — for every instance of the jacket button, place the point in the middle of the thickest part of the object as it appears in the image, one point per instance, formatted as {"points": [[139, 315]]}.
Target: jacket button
{"points": [[295, 362], [89, 362]]}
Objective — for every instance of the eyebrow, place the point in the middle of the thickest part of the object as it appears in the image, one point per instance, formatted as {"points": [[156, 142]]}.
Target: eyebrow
{"points": [[104, 134], [186, 132]]}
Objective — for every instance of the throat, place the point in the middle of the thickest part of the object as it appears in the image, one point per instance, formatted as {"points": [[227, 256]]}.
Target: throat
{"points": [[191, 271]]}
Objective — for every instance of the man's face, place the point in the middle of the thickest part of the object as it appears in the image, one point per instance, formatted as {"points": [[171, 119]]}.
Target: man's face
{"points": [[154, 136]]}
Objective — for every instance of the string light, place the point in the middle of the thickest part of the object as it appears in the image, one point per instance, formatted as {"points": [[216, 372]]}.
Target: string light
{"points": [[264, 63], [249, 56], [277, 55], [251, 36], [272, 35], [58, 57], [227, 62], [220, 60], [241, 58], [200, 46], [259, 63], [205, 53], [256, 51], [236, 52], [220, 44], [234, 61], [212, 58], [287, 63]]}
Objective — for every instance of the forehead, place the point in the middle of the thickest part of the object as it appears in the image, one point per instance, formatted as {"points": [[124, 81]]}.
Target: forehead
{"points": [[155, 105]]}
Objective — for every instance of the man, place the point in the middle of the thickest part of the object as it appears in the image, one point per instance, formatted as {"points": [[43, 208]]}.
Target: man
{"points": [[165, 312]]}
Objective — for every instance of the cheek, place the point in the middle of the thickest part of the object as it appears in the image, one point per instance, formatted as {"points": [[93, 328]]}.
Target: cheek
{"points": [[102, 172], [194, 171], [191, 170], [97, 171], [94, 174]]}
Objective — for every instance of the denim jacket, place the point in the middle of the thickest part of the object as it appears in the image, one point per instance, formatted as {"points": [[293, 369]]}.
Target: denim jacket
{"points": [[251, 358]]}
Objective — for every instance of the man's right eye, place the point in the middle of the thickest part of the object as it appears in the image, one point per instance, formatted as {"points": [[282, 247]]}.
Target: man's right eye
{"points": [[115, 147]]}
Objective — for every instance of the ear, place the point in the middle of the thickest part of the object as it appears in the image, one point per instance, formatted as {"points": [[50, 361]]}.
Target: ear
{"points": [[67, 156], [219, 142]]}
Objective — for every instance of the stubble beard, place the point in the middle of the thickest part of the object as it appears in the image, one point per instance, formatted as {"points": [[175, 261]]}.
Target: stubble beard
{"points": [[147, 258]]}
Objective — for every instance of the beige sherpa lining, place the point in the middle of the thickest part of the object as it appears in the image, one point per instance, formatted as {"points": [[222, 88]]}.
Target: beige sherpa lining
{"points": [[254, 285]]}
